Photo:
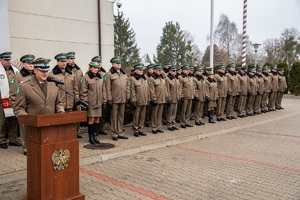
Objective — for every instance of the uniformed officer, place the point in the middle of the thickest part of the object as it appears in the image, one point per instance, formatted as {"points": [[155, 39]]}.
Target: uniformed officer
{"points": [[187, 92], [274, 82], [174, 91], [260, 91], [102, 72], [267, 89], [148, 74], [282, 86], [212, 91], [166, 67], [139, 98], [93, 92], [233, 87], [37, 95], [78, 73], [222, 92], [8, 121], [200, 94], [117, 90], [158, 96], [178, 114], [243, 92], [64, 74], [252, 91], [25, 74]]}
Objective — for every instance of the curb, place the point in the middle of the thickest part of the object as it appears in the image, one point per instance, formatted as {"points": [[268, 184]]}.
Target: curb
{"points": [[15, 176]]}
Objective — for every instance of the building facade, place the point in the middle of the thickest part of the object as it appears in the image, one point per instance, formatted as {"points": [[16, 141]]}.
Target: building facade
{"points": [[45, 28]]}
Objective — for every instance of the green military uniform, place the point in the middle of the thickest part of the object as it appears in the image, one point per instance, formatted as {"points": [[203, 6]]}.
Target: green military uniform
{"points": [[233, 89], [139, 98], [200, 94], [65, 75], [260, 91], [243, 92], [23, 76], [158, 95], [148, 108], [274, 82], [117, 90], [93, 92], [252, 91], [267, 89], [8, 122], [187, 87], [222, 92], [174, 91], [282, 86]]}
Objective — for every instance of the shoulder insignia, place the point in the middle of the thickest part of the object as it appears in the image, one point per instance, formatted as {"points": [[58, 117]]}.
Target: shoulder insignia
{"points": [[81, 80], [18, 90], [149, 82], [105, 77]]}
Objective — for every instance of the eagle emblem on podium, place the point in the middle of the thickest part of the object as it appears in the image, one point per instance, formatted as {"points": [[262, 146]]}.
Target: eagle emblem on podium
{"points": [[60, 159]]}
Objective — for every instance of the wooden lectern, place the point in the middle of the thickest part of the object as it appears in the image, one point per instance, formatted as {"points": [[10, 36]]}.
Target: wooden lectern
{"points": [[53, 155]]}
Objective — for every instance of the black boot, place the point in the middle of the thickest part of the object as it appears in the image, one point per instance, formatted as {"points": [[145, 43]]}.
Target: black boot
{"points": [[96, 130], [91, 134], [211, 117], [97, 126]]}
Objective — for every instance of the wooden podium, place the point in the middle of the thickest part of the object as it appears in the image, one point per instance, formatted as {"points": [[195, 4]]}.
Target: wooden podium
{"points": [[53, 155]]}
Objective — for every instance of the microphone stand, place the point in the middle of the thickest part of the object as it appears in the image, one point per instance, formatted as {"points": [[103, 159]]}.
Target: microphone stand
{"points": [[86, 105]]}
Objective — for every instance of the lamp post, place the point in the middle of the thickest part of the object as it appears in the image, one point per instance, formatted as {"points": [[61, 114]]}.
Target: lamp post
{"points": [[256, 45], [119, 5]]}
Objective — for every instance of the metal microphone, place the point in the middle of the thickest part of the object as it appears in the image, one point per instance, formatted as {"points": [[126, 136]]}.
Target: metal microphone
{"points": [[51, 79]]}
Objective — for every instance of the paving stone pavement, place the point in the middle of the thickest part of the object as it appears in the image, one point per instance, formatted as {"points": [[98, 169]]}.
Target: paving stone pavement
{"points": [[250, 158]]}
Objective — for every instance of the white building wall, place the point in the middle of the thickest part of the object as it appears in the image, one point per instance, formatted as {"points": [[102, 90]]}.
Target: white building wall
{"points": [[45, 28], [4, 27]]}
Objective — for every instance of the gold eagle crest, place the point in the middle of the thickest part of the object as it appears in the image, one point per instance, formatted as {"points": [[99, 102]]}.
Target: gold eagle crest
{"points": [[60, 159]]}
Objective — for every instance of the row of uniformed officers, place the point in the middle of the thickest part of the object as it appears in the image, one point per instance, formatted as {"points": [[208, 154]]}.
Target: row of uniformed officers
{"points": [[163, 92]]}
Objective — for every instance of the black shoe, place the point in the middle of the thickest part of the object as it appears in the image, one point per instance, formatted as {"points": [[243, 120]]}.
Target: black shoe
{"points": [[219, 119], [160, 131], [202, 123], [115, 138], [79, 136], [123, 137], [177, 121], [15, 143], [170, 129], [241, 116], [183, 126], [4, 146], [263, 111], [223, 119], [103, 132], [175, 128], [136, 134], [142, 133], [232, 117], [154, 132], [198, 123], [96, 140], [25, 153], [188, 125], [229, 117]]}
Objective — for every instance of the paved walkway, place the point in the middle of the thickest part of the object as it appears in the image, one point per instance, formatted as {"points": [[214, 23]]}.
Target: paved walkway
{"points": [[282, 123]]}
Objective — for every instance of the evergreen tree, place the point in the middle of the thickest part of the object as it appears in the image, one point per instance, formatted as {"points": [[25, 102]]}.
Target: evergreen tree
{"points": [[218, 56], [295, 79], [173, 46], [125, 44]]}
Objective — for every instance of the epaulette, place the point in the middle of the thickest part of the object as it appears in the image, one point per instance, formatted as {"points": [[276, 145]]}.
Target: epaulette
{"points": [[24, 81]]}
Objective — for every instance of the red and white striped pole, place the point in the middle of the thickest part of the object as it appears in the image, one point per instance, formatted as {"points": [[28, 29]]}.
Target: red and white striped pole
{"points": [[244, 53]]}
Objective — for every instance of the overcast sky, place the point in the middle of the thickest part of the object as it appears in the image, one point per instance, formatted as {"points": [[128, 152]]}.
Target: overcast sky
{"points": [[266, 18]]}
